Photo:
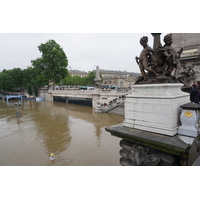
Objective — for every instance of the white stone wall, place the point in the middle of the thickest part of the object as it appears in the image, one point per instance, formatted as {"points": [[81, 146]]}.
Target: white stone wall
{"points": [[155, 108]]}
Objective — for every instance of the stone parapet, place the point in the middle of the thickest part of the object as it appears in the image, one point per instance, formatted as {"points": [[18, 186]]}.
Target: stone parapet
{"points": [[173, 145]]}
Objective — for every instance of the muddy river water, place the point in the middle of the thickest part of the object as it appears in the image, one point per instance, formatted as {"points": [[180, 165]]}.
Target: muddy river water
{"points": [[74, 133]]}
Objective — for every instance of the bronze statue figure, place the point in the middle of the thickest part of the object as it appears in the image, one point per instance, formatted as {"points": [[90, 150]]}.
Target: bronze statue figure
{"points": [[172, 56], [159, 62], [146, 57]]}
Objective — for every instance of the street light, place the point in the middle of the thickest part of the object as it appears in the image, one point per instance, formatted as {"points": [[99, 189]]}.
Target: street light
{"points": [[67, 107]]}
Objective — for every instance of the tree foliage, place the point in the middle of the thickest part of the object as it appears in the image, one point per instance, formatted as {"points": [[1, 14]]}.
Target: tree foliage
{"points": [[30, 90], [35, 90], [11, 79], [89, 80], [32, 79], [77, 80], [52, 65]]}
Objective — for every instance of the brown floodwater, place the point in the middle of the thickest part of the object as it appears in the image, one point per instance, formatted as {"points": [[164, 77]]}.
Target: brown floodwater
{"points": [[74, 133]]}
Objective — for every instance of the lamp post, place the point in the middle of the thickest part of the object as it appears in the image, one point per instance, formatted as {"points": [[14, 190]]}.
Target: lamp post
{"points": [[67, 107]]}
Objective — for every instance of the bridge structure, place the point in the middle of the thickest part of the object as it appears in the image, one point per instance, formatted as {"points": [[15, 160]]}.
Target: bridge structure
{"points": [[96, 95]]}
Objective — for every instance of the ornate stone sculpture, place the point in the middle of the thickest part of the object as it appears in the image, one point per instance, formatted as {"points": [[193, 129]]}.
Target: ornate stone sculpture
{"points": [[139, 155], [159, 62], [97, 78], [186, 76]]}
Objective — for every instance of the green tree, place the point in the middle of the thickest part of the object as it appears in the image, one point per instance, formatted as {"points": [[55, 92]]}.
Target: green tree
{"points": [[73, 80], [67, 80], [35, 90], [6, 81], [89, 80], [16, 75], [77, 80], [28, 75], [33, 80], [30, 89], [52, 65]]}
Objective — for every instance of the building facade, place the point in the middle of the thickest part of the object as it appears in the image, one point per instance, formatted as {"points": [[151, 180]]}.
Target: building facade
{"points": [[118, 78], [110, 77], [78, 73]]}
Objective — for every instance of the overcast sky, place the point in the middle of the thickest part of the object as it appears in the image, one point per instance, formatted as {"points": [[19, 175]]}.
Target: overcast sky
{"points": [[110, 51], [104, 33]]}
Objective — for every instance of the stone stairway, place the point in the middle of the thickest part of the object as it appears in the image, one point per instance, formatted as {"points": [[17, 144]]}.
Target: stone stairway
{"points": [[118, 110], [115, 108]]}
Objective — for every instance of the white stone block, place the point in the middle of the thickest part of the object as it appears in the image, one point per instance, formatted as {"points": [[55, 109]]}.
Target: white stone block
{"points": [[155, 108]]}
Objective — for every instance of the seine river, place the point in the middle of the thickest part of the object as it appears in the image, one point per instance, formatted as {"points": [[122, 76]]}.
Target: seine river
{"points": [[74, 133]]}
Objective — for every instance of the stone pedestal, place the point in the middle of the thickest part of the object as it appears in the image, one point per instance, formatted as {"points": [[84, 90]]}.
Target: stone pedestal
{"points": [[189, 120], [155, 108]]}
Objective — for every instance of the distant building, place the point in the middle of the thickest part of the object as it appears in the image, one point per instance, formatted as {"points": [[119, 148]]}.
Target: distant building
{"points": [[118, 78], [111, 77], [78, 73]]}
